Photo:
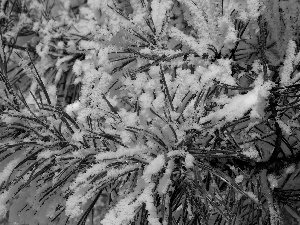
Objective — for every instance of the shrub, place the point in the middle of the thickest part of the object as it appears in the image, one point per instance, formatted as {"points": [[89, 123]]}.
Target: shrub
{"points": [[187, 112]]}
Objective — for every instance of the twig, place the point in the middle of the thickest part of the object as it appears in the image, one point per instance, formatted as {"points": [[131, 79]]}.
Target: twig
{"points": [[274, 214]]}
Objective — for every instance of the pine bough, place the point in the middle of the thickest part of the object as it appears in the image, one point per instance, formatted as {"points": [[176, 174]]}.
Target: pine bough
{"points": [[188, 112]]}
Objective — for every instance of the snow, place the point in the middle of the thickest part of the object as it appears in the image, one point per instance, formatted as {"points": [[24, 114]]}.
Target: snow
{"points": [[165, 181], [251, 153], [85, 191], [74, 107], [197, 18], [124, 210], [239, 179], [253, 7], [122, 151], [220, 72], [228, 31], [159, 101], [273, 181], [284, 127], [254, 101], [146, 100], [8, 119], [122, 213], [126, 137], [287, 68], [92, 171], [4, 196], [86, 37], [60, 61], [8, 170], [46, 154], [51, 90], [252, 196], [176, 153], [158, 13], [177, 34], [290, 169], [73, 207], [128, 118], [139, 12], [78, 136], [114, 173], [297, 59], [147, 197], [153, 168], [77, 80], [189, 161]]}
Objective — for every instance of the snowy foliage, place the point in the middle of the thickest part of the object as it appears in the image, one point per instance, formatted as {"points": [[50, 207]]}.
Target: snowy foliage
{"points": [[186, 109]]}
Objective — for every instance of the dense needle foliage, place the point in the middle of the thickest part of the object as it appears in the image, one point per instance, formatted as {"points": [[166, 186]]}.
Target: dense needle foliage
{"points": [[149, 112]]}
